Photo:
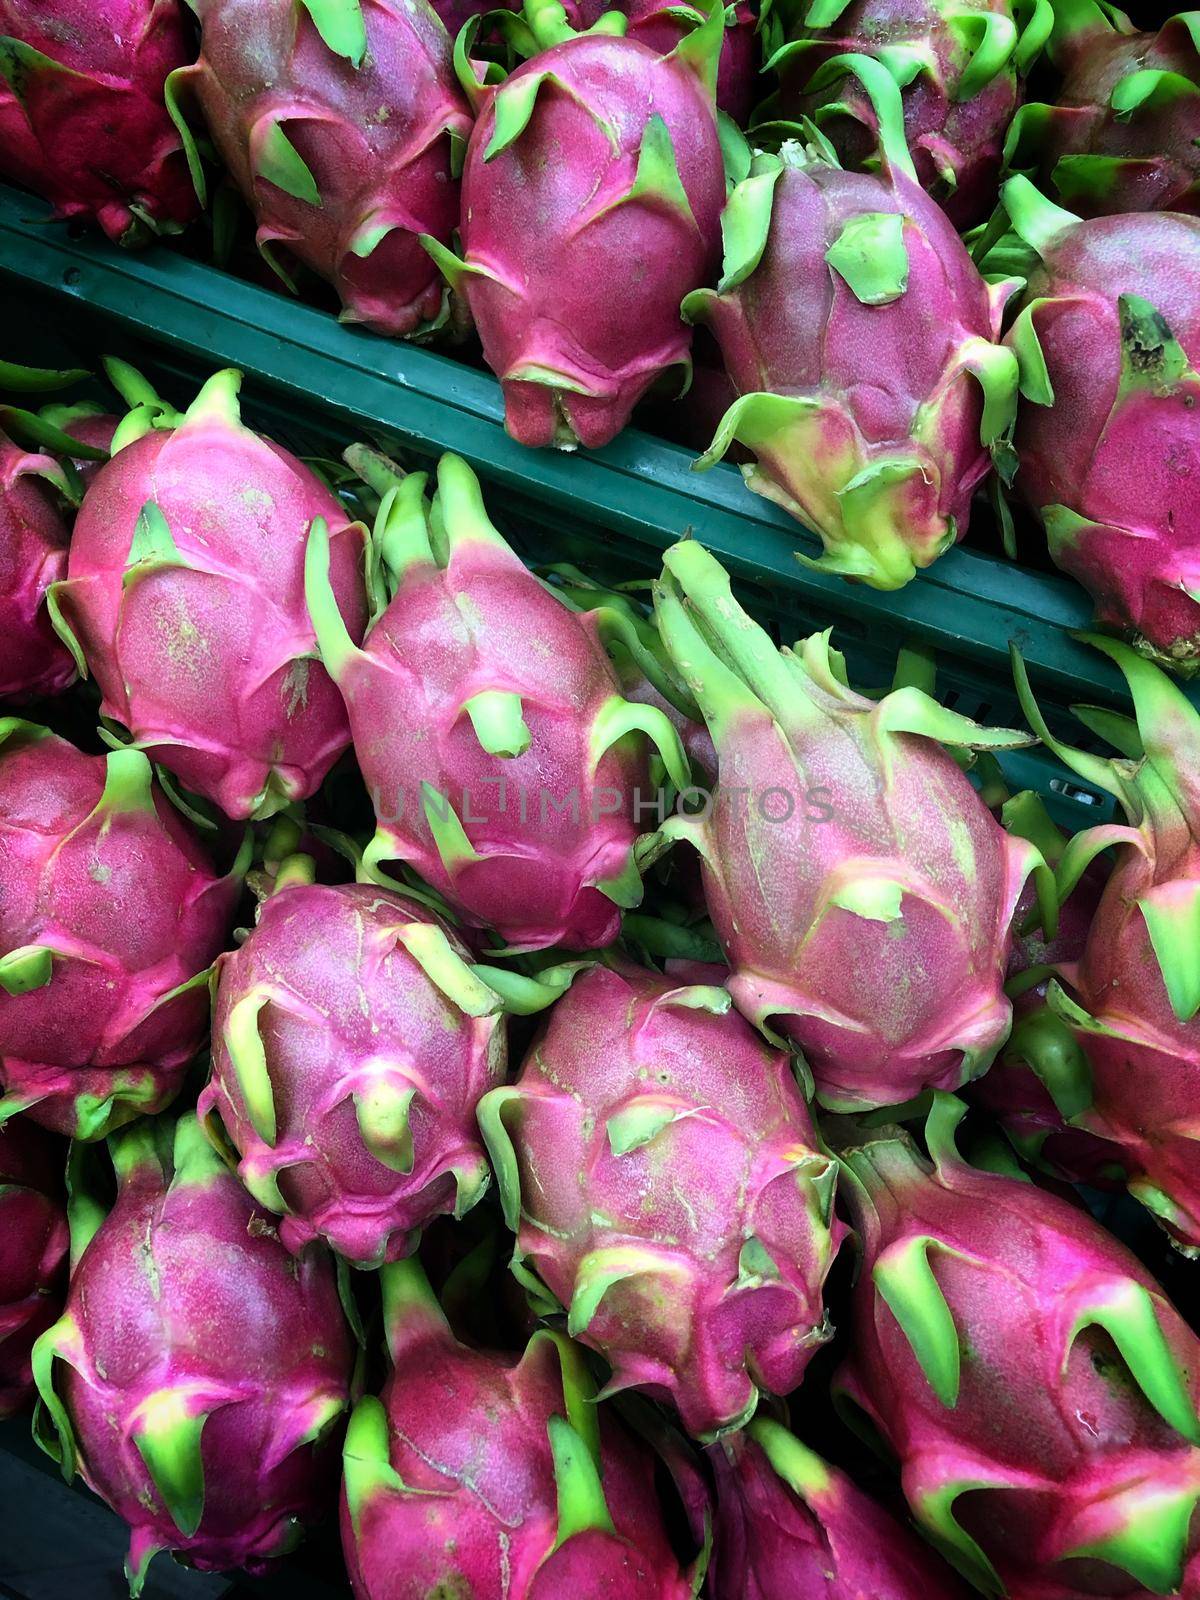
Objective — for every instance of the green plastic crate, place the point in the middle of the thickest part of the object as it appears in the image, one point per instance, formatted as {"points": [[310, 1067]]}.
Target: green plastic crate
{"points": [[316, 385]]}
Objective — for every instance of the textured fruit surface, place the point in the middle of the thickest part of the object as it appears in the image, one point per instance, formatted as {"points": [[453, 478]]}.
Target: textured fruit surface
{"points": [[574, 268], [185, 592], [1038, 1389], [1109, 440], [1130, 1003], [351, 1043], [33, 555], [338, 123], [198, 1371], [789, 1526], [33, 1250], [658, 1163], [1123, 133], [111, 915], [495, 1477], [958, 66], [83, 121], [844, 840], [503, 761], [860, 339]]}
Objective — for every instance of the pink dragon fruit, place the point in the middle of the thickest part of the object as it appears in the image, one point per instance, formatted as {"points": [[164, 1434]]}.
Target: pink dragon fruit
{"points": [[198, 1373], [352, 1040], [1124, 132], [959, 68], [89, 426], [574, 270], [1036, 1386], [1107, 338], [33, 555], [860, 338], [83, 121], [842, 840], [33, 1251], [478, 1475], [185, 594], [661, 26], [658, 1164], [110, 917], [341, 122], [789, 1526], [503, 762], [1131, 1001], [1041, 1050]]}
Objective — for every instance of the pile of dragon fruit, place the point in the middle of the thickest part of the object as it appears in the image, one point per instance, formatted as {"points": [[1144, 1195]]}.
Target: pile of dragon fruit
{"points": [[514, 1081], [893, 257]]}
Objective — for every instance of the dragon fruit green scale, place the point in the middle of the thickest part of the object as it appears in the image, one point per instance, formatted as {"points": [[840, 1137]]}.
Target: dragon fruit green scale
{"points": [[199, 1371], [1036, 1386], [352, 1040], [843, 840], [503, 761], [340, 121], [184, 597], [658, 1164], [864, 348]]}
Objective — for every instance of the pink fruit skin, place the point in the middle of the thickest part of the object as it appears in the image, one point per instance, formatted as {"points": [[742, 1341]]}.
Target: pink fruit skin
{"points": [[33, 1251], [350, 1011], [831, 1543], [650, 1136], [661, 26], [957, 144], [375, 137], [95, 138], [186, 1287], [539, 857], [795, 327], [1155, 148], [33, 555], [131, 908], [1126, 464], [469, 1429], [1050, 1420], [575, 279], [210, 664]]}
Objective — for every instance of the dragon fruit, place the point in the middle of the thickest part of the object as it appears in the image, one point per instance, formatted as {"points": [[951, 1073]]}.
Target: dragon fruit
{"points": [[959, 68], [184, 596], [1124, 133], [33, 555], [110, 917], [1131, 1001], [841, 840], [198, 1373], [574, 270], [352, 1040], [341, 122], [513, 789], [1041, 1046], [661, 26], [790, 1526], [1036, 1386], [658, 1164], [33, 1251], [1107, 337], [480, 1475], [860, 338], [82, 116]]}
